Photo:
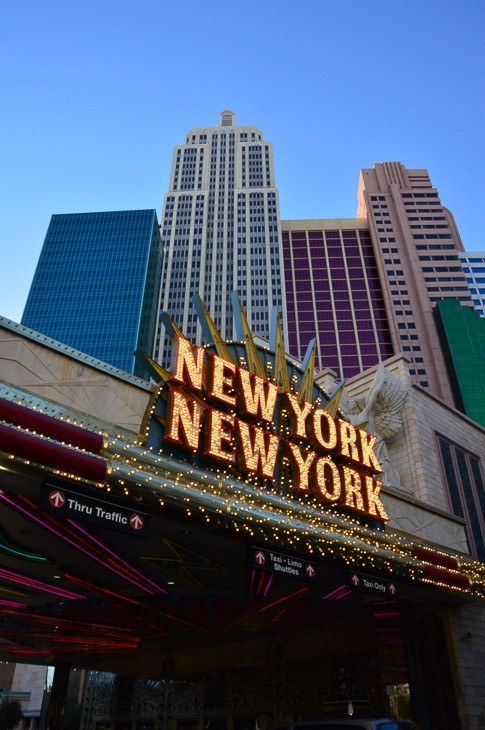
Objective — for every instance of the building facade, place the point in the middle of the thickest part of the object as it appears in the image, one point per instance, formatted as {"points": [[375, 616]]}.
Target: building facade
{"points": [[473, 263], [96, 285], [417, 247], [221, 230], [334, 294]]}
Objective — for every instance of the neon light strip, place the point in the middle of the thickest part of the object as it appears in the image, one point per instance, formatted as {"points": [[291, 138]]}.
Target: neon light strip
{"points": [[251, 585], [95, 589], [11, 604], [122, 568], [342, 595], [337, 590], [278, 615], [33, 652], [386, 614], [8, 548], [105, 548], [265, 608], [80, 541], [75, 545], [39, 585], [75, 624], [268, 586]]}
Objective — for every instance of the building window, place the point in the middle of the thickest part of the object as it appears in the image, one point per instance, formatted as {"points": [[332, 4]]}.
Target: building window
{"points": [[466, 493]]}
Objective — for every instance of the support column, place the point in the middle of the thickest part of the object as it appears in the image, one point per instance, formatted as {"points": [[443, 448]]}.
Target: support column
{"points": [[124, 688], [58, 696]]}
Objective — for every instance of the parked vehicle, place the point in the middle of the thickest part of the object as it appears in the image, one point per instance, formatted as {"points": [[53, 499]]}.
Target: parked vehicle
{"points": [[353, 723]]}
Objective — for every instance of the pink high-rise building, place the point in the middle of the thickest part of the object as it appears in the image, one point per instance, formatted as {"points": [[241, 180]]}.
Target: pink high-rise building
{"points": [[417, 246]]}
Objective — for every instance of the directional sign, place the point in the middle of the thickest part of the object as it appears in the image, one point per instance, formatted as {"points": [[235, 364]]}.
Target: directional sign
{"points": [[56, 498], [87, 508], [282, 564], [136, 521], [372, 584]]}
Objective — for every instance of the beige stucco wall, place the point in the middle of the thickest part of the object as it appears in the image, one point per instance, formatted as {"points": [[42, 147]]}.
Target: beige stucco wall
{"points": [[467, 639], [48, 373]]}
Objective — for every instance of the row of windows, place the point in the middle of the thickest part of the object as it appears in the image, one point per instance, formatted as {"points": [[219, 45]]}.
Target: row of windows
{"points": [[420, 195]]}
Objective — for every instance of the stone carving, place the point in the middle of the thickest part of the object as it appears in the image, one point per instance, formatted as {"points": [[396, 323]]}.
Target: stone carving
{"points": [[380, 413]]}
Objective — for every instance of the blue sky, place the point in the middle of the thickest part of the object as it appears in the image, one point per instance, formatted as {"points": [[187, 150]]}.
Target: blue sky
{"points": [[95, 95]]}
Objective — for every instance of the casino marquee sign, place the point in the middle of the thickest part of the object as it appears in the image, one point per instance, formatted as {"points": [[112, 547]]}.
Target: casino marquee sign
{"points": [[214, 411]]}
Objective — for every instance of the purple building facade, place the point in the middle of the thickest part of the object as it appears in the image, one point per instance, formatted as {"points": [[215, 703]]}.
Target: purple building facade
{"points": [[334, 293]]}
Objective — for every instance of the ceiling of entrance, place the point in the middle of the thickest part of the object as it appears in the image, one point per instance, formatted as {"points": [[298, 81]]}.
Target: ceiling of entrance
{"points": [[97, 597]]}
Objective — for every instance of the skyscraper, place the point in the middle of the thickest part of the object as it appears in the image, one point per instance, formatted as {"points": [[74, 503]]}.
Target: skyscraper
{"points": [[417, 248], [334, 293], [473, 263], [96, 285], [221, 230]]}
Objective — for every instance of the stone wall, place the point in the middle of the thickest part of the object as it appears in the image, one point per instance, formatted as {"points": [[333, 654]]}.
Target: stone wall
{"points": [[43, 369], [467, 637], [420, 506]]}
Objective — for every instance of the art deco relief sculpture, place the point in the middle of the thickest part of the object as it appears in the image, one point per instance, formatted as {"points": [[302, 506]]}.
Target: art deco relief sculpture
{"points": [[379, 411]]}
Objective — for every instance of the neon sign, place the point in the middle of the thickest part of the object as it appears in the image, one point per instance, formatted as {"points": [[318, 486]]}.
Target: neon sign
{"points": [[228, 414]]}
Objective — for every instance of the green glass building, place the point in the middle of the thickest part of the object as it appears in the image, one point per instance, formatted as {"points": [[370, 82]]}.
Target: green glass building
{"points": [[462, 335], [97, 284]]}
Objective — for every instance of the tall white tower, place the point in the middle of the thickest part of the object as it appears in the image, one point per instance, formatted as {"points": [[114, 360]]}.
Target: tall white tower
{"points": [[221, 231]]}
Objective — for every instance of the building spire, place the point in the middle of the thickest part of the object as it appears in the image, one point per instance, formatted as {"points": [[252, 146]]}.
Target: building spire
{"points": [[227, 119]]}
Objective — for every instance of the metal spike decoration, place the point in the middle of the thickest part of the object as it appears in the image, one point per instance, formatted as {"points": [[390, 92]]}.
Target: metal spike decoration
{"points": [[172, 328], [211, 333], [157, 372], [305, 391], [253, 362], [280, 367], [332, 405]]}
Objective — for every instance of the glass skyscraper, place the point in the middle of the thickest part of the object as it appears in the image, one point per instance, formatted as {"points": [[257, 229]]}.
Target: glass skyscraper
{"points": [[474, 267], [97, 283], [221, 231]]}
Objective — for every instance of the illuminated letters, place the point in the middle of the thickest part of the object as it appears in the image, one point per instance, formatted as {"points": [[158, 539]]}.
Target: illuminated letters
{"points": [[257, 450], [189, 361], [348, 441], [302, 465], [319, 447], [353, 489], [298, 414], [183, 420], [327, 479], [322, 430], [219, 443], [258, 395], [374, 504], [222, 380], [367, 442]]}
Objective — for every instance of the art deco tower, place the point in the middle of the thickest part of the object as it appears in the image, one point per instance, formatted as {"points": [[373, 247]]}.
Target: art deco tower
{"points": [[221, 231], [417, 247]]}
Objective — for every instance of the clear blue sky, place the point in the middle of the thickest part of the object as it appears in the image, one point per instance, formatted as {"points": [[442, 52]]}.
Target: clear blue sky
{"points": [[94, 95]]}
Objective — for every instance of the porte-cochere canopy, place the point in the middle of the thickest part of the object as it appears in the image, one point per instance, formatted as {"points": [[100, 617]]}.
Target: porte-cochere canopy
{"points": [[118, 551]]}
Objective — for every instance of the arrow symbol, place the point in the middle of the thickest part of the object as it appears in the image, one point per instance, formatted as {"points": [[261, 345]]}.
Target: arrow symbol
{"points": [[355, 580], [310, 570], [136, 521], [57, 499], [392, 589], [260, 558]]}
